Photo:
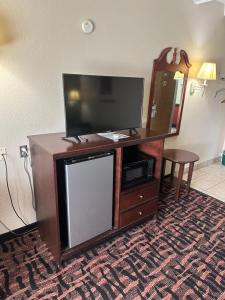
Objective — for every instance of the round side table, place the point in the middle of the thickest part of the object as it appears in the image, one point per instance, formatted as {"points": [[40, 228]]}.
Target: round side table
{"points": [[181, 157]]}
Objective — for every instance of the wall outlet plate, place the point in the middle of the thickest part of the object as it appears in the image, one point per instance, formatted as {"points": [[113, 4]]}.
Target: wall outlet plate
{"points": [[2, 151]]}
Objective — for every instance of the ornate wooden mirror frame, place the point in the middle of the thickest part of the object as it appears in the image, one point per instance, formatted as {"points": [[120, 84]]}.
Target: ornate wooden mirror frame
{"points": [[167, 92]]}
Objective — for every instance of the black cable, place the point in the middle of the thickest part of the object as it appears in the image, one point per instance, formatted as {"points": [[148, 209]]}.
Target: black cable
{"points": [[10, 196], [13, 232], [30, 182]]}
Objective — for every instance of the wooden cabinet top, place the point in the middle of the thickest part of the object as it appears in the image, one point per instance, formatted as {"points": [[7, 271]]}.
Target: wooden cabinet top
{"points": [[54, 144]]}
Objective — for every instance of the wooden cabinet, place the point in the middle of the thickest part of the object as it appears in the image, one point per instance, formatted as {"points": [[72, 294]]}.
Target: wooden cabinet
{"points": [[131, 216], [130, 206], [138, 195], [139, 203]]}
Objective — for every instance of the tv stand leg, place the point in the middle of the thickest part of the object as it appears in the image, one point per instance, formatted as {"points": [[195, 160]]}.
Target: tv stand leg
{"points": [[77, 139], [133, 131]]}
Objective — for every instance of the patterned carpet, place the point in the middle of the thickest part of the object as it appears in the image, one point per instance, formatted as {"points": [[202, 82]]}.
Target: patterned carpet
{"points": [[177, 255]]}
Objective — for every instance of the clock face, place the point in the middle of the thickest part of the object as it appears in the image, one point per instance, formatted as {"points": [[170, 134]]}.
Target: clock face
{"points": [[87, 26]]}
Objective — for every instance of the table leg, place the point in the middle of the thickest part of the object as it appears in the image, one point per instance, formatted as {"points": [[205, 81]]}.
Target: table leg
{"points": [[173, 166], [163, 172], [179, 180], [190, 172]]}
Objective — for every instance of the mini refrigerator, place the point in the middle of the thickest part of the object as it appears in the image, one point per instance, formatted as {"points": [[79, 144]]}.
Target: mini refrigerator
{"points": [[89, 196]]}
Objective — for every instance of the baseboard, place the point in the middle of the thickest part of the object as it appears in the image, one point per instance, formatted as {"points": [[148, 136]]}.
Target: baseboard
{"points": [[207, 163], [200, 165], [9, 235]]}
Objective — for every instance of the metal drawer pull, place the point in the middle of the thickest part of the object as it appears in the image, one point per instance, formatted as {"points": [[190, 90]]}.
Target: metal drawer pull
{"points": [[140, 213], [141, 196]]}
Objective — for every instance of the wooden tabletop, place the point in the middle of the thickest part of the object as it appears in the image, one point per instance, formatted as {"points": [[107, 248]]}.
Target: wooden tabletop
{"points": [[180, 156], [57, 147]]}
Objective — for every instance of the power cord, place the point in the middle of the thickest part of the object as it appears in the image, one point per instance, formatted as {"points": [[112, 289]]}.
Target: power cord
{"points": [[25, 165], [9, 192], [13, 232], [24, 154]]}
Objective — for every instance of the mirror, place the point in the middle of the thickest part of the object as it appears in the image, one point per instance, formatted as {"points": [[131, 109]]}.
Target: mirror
{"points": [[167, 92]]}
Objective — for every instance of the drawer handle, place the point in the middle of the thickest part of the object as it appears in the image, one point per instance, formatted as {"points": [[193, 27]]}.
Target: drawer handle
{"points": [[141, 196], [140, 213]]}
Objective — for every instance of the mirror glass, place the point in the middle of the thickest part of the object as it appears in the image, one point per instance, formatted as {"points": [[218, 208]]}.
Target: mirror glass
{"points": [[166, 101]]}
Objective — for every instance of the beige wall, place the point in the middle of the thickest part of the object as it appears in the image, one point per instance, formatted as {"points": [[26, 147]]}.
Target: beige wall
{"points": [[41, 39]]}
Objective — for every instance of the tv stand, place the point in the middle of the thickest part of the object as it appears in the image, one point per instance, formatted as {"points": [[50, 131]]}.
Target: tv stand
{"points": [[130, 206]]}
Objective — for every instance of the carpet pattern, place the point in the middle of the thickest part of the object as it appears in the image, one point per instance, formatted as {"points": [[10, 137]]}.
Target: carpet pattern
{"points": [[179, 254]]}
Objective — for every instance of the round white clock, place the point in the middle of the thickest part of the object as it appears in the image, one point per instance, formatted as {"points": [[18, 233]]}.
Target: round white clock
{"points": [[87, 26]]}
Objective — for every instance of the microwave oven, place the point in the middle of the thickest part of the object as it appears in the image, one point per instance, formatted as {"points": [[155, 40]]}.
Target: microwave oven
{"points": [[138, 168]]}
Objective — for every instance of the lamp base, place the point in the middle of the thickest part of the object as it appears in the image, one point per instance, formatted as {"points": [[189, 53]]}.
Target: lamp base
{"points": [[198, 86]]}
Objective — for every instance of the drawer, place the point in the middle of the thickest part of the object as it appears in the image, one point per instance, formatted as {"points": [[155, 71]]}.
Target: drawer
{"points": [[137, 213], [139, 195]]}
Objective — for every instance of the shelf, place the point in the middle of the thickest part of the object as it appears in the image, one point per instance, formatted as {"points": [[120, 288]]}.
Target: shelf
{"points": [[138, 185]]}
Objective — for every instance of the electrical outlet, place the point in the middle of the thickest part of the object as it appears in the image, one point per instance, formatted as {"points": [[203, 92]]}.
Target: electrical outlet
{"points": [[23, 151], [2, 151]]}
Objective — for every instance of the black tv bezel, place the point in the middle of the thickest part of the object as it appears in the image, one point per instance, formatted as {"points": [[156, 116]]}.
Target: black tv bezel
{"points": [[79, 131]]}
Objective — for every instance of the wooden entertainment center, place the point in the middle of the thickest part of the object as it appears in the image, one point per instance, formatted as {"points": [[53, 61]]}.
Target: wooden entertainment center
{"points": [[127, 206], [130, 206]]}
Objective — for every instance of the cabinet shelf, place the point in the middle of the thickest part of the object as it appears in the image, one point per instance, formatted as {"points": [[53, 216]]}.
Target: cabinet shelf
{"points": [[142, 185]]}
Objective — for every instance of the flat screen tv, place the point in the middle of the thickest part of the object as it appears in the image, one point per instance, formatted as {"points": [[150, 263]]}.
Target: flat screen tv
{"points": [[96, 104]]}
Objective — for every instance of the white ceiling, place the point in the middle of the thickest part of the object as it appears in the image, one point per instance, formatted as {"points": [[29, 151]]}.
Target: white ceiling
{"points": [[205, 1]]}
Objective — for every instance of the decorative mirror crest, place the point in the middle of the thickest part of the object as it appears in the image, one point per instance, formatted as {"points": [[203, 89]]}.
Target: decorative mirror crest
{"points": [[179, 57]]}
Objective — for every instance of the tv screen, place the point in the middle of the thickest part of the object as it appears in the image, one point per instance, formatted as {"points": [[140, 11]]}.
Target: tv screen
{"points": [[101, 103]]}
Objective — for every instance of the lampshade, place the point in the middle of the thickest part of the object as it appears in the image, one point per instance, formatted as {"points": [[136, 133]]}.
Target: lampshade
{"points": [[178, 75], [207, 71]]}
